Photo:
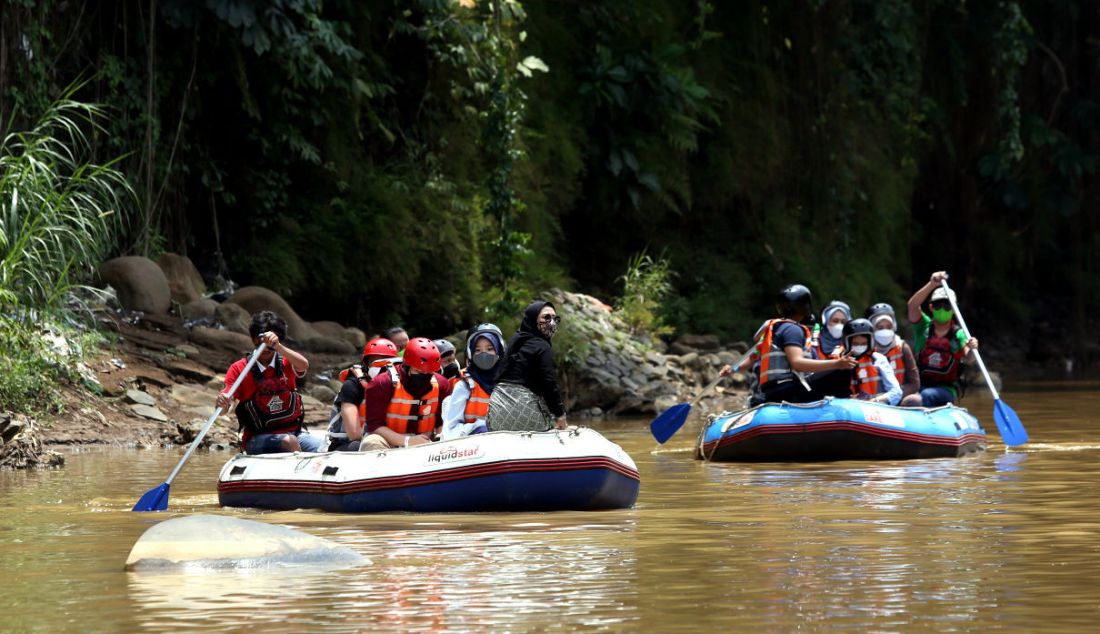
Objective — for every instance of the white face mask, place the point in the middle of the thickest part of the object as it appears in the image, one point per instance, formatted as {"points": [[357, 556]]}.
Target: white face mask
{"points": [[884, 337], [858, 350], [373, 372], [836, 330]]}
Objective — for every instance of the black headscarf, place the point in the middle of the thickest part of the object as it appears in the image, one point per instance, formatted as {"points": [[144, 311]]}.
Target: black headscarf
{"points": [[529, 327], [529, 360]]}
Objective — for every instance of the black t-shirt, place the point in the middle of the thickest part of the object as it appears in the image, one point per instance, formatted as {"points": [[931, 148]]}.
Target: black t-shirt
{"points": [[350, 392], [788, 334]]}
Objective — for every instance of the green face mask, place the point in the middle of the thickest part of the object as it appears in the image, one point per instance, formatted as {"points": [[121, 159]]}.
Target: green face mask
{"points": [[942, 315]]}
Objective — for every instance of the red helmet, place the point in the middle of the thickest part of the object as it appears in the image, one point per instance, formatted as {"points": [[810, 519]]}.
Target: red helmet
{"points": [[380, 347], [422, 354]]}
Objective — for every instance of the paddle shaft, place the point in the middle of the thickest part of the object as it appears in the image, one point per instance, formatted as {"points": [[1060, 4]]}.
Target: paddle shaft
{"points": [[217, 412], [736, 364], [966, 331]]}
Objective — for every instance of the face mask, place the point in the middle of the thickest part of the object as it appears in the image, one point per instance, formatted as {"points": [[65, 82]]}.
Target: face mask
{"points": [[450, 370], [485, 360], [942, 315], [836, 330], [858, 350], [417, 382], [884, 337], [373, 372], [548, 328]]}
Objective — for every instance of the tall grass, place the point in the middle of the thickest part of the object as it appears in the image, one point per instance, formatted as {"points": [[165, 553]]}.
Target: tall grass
{"points": [[647, 284], [60, 214]]}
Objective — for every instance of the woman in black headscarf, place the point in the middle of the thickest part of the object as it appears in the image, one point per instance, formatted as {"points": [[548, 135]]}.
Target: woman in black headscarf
{"points": [[527, 397]]}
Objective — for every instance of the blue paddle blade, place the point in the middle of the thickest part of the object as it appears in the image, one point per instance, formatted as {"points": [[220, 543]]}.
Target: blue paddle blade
{"points": [[669, 422], [1008, 423], [155, 499]]}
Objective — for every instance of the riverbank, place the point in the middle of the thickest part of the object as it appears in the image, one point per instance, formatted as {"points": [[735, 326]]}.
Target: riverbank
{"points": [[155, 381]]}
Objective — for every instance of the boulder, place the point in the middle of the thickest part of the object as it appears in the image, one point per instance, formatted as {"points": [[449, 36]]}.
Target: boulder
{"points": [[220, 542], [234, 317], [256, 298], [357, 338], [201, 308], [699, 342], [184, 281], [328, 345], [224, 340], [329, 328], [322, 393], [139, 282]]}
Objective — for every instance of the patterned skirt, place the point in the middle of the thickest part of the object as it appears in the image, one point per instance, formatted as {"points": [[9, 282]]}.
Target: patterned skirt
{"points": [[513, 407]]}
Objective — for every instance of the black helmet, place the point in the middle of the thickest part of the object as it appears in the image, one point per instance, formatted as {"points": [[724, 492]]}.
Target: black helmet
{"points": [[881, 308], [855, 328], [795, 300]]}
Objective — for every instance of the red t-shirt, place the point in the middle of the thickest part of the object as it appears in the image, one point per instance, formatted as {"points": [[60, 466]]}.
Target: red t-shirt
{"points": [[248, 386], [247, 389]]}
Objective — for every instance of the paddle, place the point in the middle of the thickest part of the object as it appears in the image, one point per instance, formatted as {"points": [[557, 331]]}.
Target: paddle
{"points": [[672, 419], [1008, 423], [156, 499]]}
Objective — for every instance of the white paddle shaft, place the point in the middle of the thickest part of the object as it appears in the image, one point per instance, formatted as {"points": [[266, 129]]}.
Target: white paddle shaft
{"points": [[216, 414], [966, 331]]}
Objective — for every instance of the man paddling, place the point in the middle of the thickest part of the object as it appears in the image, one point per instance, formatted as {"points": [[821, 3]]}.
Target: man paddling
{"points": [[270, 411]]}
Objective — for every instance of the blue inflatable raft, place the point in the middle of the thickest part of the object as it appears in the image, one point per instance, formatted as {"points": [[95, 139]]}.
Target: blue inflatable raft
{"points": [[839, 429]]}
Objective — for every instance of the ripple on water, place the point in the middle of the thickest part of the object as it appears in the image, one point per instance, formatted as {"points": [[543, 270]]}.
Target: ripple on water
{"points": [[1002, 540]]}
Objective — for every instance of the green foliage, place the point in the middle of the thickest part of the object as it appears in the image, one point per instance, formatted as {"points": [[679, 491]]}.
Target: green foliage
{"points": [[415, 161], [647, 286], [33, 368], [59, 214]]}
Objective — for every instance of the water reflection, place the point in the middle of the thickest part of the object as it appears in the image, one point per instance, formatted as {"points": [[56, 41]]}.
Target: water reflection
{"points": [[1005, 540]]}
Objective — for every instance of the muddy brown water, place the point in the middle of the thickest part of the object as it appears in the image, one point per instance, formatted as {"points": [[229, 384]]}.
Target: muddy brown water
{"points": [[999, 541]]}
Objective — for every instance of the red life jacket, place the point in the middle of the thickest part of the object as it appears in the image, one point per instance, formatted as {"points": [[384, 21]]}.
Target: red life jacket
{"points": [[865, 376], [773, 359], [938, 360], [407, 414], [275, 407]]}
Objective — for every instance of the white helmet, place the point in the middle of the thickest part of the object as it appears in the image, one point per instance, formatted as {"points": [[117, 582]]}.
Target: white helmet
{"points": [[943, 293]]}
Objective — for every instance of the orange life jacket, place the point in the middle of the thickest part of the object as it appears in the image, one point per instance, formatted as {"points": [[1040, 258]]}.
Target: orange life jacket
{"points": [[865, 377], [897, 359], [407, 414], [773, 359], [477, 405]]}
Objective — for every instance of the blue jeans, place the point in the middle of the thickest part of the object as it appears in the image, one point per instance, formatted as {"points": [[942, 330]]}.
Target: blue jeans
{"points": [[936, 396], [271, 443]]}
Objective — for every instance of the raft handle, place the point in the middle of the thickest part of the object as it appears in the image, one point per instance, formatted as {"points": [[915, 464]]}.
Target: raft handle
{"points": [[237, 470], [330, 471]]}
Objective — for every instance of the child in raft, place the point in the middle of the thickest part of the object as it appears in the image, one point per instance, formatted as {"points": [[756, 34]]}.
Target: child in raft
{"points": [[873, 377]]}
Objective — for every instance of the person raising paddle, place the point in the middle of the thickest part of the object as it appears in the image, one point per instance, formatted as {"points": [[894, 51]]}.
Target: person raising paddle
{"points": [[940, 344]]}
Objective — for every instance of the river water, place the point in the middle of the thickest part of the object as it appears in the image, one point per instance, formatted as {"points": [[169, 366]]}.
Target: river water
{"points": [[998, 541]]}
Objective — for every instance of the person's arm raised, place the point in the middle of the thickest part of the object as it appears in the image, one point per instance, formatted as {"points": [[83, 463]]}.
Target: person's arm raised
{"points": [[922, 294]]}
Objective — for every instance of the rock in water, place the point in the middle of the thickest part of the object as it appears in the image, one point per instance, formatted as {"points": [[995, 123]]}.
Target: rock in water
{"points": [[220, 542]]}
